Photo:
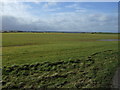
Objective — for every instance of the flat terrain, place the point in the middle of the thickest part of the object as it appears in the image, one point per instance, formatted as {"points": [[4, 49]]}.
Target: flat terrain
{"points": [[35, 60], [21, 48]]}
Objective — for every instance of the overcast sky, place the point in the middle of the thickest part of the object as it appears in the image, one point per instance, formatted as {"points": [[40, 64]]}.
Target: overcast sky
{"points": [[60, 16]]}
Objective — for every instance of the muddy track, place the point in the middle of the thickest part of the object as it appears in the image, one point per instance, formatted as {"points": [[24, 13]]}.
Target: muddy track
{"points": [[116, 79]]}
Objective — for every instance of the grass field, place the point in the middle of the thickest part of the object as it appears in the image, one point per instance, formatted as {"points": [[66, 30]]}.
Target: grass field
{"points": [[35, 60]]}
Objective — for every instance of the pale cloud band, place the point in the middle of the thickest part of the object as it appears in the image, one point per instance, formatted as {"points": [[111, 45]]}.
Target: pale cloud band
{"points": [[17, 16]]}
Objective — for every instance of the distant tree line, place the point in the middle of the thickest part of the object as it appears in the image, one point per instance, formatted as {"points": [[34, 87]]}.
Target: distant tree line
{"points": [[15, 31]]}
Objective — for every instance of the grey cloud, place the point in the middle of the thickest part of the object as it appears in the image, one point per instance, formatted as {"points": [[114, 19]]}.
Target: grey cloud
{"points": [[13, 23], [62, 22]]}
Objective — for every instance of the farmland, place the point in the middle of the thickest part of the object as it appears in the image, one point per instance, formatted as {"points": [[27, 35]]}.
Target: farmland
{"points": [[62, 60]]}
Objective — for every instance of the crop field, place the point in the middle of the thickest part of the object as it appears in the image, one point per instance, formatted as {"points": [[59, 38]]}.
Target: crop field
{"points": [[58, 60]]}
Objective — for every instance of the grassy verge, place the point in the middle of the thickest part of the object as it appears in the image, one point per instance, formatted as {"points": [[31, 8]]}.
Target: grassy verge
{"points": [[93, 72]]}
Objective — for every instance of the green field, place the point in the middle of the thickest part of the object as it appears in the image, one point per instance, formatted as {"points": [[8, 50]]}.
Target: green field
{"points": [[64, 60]]}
